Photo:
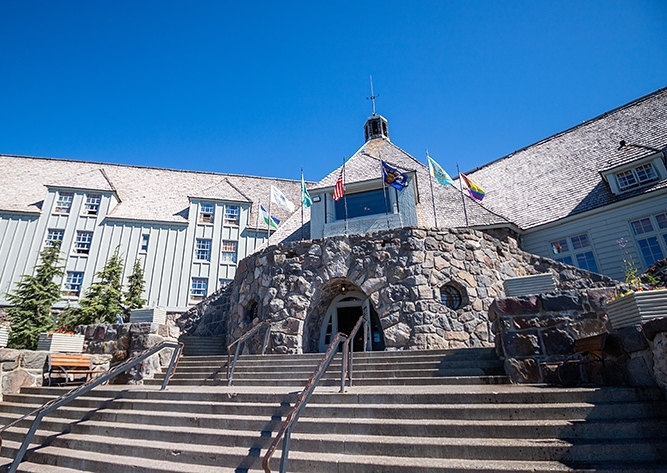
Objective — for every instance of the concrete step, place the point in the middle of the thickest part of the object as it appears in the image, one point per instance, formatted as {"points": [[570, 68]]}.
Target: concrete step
{"points": [[401, 414]]}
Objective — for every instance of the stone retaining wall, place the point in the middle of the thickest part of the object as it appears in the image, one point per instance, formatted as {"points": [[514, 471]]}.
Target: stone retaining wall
{"points": [[535, 334], [401, 272], [107, 345]]}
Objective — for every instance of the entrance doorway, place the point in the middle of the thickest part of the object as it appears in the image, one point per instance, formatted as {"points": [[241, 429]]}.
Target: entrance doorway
{"points": [[343, 314]]}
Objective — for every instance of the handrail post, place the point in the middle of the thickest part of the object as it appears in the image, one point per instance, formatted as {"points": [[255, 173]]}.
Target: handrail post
{"points": [[236, 355], [172, 365], [285, 454], [266, 339], [343, 369]]}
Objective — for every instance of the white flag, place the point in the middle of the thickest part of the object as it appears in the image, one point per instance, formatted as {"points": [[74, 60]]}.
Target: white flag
{"points": [[280, 200]]}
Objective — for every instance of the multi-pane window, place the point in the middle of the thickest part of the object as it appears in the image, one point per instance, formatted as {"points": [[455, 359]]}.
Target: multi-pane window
{"points": [[199, 287], [651, 237], [203, 249], [206, 212], [228, 254], [636, 176], [362, 204], [576, 251], [222, 282], [82, 243], [64, 202], [73, 283], [54, 236], [232, 213], [92, 205], [144, 242]]}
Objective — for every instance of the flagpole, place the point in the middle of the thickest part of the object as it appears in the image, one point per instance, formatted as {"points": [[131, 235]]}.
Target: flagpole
{"points": [[461, 191], [302, 184], [268, 225], [384, 193], [254, 246], [430, 180], [345, 197]]}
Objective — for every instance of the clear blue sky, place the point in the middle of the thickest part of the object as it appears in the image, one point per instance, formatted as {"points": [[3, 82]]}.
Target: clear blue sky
{"points": [[264, 88]]}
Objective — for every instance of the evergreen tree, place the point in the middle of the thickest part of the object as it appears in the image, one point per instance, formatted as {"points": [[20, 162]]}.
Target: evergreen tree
{"points": [[132, 298], [103, 299], [30, 312]]}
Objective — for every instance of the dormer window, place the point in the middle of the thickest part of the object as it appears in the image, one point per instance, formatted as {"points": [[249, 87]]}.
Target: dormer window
{"points": [[206, 212], [64, 202], [92, 205], [636, 176]]}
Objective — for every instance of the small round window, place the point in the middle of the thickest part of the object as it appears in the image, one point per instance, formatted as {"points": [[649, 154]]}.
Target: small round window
{"points": [[451, 297]]}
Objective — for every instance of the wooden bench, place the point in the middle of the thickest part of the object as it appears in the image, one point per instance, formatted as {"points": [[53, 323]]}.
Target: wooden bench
{"points": [[590, 347], [64, 366]]}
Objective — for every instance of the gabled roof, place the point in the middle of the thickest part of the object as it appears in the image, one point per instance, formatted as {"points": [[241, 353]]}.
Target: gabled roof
{"points": [[364, 165], [560, 176], [89, 180], [149, 194]]}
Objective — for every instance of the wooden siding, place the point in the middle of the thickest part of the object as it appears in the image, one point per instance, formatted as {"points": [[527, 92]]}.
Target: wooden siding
{"points": [[604, 228]]}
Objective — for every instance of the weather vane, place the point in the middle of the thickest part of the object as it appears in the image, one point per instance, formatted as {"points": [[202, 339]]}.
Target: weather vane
{"points": [[373, 96]]}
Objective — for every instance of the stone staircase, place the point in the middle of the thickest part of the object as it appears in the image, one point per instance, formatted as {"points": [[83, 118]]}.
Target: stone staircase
{"points": [[432, 411]]}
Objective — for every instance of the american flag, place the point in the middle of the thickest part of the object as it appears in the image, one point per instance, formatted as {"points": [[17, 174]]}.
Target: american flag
{"points": [[339, 190]]}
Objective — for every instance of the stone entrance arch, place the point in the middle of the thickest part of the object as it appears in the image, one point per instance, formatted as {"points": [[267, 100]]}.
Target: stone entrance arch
{"points": [[343, 314]]}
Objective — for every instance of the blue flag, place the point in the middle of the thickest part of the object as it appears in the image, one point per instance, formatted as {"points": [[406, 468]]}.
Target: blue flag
{"points": [[393, 177]]}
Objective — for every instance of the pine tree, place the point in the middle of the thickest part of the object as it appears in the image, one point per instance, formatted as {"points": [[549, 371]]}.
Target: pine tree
{"points": [[103, 299], [132, 298], [30, 312]]}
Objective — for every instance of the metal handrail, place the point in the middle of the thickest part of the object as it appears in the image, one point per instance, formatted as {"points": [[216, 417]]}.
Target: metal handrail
{"points": [[300, 404], [231, 365], [65, 398], [349, 347]]}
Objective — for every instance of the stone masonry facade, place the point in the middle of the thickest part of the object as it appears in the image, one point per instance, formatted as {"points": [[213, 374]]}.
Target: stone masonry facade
{"points": [[400, 271]]}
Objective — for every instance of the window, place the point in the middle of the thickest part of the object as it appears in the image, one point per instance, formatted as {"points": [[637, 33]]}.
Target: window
{"points": [[54, 236], [222, 282], [228, 251], [64, 202], [199, 287], [144, 243], [203, 250], [575, 251], [362, 204], [73, 283], [92, 205], [636, 176], [652, 243], [451, 297], [82, 243], [232, 213], [206, 213]]}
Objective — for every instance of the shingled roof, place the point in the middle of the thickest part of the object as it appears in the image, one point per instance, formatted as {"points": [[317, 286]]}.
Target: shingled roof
{"points": [[560, 176], [148, 194], [364, 165]]}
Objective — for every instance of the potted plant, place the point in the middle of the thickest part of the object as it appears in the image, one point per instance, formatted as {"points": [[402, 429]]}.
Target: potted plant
{"points": [[643, 300], [60, 342]]}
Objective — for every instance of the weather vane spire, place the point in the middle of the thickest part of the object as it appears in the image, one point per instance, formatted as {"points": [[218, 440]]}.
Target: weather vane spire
{"points": [[372, 97]]}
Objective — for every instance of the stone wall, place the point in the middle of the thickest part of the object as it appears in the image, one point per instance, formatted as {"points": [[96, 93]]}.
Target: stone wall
{"points": [[121, 341], [401, 272], [25, 368], [535, 334]]}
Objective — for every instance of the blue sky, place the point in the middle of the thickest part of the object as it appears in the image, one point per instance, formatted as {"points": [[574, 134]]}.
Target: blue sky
{"points": [[265, 88]]}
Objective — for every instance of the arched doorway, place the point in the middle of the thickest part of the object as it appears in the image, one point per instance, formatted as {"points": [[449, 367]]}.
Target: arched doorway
{"points": [[343, 314]]}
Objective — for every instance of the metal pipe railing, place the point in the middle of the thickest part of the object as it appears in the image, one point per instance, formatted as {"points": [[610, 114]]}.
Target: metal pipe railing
{"points": [[69, 396], [349, 347], [292, 418], [231, 364]]}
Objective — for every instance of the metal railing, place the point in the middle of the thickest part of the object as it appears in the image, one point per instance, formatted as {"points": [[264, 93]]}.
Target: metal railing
{"points": [[291, 419], [69, 396], [348, 353], [231, 364]]}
